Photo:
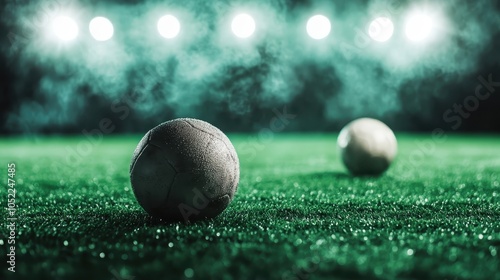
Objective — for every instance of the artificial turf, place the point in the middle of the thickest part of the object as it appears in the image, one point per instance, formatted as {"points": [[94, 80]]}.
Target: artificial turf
{"points": [[297, 214]]}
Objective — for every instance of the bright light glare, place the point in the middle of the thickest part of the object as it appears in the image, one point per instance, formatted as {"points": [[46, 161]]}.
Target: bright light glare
{"points": [[418, 27], [64, 28], [101, 28], [169, 26], [318, 27], [243, 26], [381, 29]]}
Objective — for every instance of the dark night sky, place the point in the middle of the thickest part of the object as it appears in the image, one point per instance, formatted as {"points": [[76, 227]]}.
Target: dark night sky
{"points": [[139, 79]]}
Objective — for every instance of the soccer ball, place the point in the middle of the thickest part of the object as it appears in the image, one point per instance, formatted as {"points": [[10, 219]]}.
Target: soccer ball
{"points": [[367, 146], [184, 170]]}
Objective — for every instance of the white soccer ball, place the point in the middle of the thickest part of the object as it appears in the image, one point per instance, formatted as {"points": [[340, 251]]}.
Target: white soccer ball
{"points": [[367, 146], [184, 170]]}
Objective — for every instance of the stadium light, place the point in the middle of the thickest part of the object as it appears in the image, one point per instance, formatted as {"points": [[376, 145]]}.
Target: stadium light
{"points": [[418, 27], [169, 26], [381, 29], [243, 25], [318, 27], [101, 28], [64, 28]]}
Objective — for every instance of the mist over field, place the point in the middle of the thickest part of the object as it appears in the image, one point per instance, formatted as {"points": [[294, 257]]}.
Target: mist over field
{"points": [[139, 79]]}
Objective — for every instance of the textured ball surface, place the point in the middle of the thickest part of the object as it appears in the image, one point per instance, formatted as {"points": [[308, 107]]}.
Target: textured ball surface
{"points": [[184, 170], [367, 146]]}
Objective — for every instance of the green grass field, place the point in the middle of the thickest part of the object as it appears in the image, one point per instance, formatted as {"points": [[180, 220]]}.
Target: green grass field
{"points": [[297, 214]]}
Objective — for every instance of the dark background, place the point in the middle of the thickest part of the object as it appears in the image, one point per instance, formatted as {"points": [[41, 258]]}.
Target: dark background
{"points": [[139, 80]]}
